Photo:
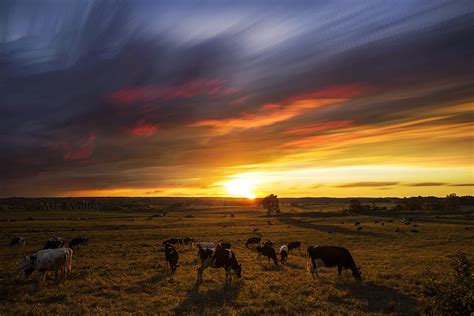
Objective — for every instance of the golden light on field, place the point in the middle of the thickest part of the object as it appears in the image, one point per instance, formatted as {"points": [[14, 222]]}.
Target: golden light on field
{"points": [[240, 188]]}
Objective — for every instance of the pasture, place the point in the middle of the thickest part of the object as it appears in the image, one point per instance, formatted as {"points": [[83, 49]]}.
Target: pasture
{"points": [[123, 270]]}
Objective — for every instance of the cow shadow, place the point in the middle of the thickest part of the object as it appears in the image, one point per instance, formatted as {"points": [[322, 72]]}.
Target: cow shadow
{"points": [[293, 266], [197, 302], [272, 267], [147, 285], [380, 298]]}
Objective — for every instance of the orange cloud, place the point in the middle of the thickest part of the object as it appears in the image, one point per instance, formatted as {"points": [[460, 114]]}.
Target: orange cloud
{"points": [[269, 114], [319, 127]]}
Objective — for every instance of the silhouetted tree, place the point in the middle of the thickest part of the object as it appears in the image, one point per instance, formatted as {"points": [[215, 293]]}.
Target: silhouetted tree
{"points": [[271, 203], [451, 202]]}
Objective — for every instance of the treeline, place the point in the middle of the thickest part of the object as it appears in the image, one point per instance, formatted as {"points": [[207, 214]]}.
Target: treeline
{"points": [[451, 202], [135, 204]]}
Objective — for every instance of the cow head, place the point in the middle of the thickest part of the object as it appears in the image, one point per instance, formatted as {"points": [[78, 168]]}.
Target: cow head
{"points": [[27, 266], [357, 274]]}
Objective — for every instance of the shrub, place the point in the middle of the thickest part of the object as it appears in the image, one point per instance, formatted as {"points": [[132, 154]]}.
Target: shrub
{"points": [[454, 296]]}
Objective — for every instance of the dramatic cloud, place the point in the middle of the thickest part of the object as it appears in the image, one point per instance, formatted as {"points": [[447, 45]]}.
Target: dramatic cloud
{"points": [[162, 98]]}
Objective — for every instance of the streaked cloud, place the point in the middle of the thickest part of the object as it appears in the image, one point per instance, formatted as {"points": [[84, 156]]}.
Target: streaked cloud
{"points": [[308, 98]]}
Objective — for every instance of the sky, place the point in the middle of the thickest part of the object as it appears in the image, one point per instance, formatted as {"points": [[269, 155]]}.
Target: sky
{"points": [[236, 98]]}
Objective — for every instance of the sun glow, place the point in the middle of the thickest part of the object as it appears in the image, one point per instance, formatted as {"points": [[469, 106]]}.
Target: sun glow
{"points": [[240, 188]]}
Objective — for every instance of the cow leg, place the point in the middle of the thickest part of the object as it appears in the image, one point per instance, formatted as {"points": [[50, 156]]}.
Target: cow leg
{"points": [[201, 269], [315, 268]]}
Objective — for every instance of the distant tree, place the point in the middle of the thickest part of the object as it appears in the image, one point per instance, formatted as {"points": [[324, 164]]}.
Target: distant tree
{"points": [[355, 206], [451, 202], [271, 203]]}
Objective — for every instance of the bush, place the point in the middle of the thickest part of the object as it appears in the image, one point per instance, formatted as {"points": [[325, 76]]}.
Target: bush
{"points": [[454, 296]]}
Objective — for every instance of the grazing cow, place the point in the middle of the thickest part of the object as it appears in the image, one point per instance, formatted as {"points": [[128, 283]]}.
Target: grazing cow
{"points": [[284, 253], [172, 257], [18, 241], [294, 245], [172, 241], [58, 260], [269, 243], [218, 258], [187, 241], [359, 228], [205, 245], [268, 252], [331, 256], [357, 223], [224, 245], [78, 242], [54, 242], [253, 240]]}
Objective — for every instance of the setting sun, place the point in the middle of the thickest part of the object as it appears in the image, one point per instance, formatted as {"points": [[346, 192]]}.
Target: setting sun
{"points": [[240, 188]]}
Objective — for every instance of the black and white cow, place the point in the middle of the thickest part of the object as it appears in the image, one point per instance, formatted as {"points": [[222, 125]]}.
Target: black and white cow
{"points": [[268, 252], [284, 253], [172, 241], [294, 245], [253, 240], [78, 242], [172, 257], [187, 241], [205, 245], [18, 241], [54, 242], [331, 256], [216, 258]]}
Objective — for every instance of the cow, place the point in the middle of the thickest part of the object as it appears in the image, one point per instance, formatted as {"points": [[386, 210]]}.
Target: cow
{"points": [[216, 258], [284, 253], [187, 241], [58, 260], [54, 242], [224, 244], [172, 257], [269, 243], [331, 256], [294, 245], [205, 245], [357, 223], [78, 242], [268, 252], [18, 241], [172, 241], [252, 240]]}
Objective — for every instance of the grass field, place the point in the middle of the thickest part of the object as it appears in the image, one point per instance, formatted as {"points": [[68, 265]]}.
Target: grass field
{"points": [[123, 270]]}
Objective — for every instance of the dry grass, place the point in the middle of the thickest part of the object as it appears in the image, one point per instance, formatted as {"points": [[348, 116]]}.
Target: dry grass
{"points": [[122, 270]]}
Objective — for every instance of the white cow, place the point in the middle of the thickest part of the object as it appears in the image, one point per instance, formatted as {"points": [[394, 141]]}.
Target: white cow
{"points": [[58, 260], [205, 245]]}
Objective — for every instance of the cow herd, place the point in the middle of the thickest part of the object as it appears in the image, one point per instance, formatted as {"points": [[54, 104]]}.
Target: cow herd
{"points": [[55, 257], [222, 256]]}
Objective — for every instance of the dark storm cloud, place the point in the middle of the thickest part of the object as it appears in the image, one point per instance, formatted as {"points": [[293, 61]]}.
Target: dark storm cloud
{"points": [[63, 64]]}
